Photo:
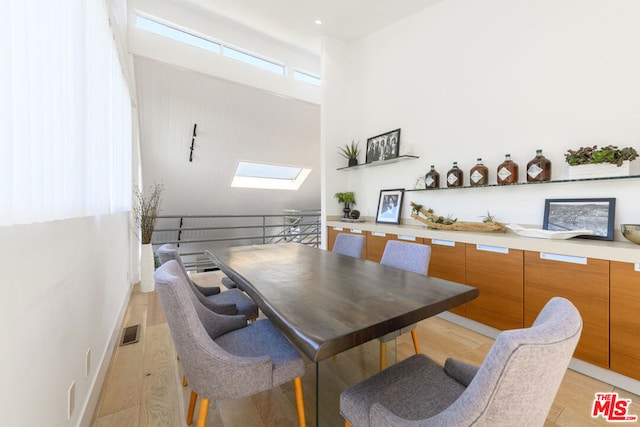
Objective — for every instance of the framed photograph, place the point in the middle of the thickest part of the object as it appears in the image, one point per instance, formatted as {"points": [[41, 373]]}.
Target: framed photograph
{"points": [[581, 214], [390, 206], [383, 147]]}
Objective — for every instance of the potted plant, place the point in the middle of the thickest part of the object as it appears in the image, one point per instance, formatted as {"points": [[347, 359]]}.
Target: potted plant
{"points": [[596, 162], [347, 198], [145, 211], [350, 152]]}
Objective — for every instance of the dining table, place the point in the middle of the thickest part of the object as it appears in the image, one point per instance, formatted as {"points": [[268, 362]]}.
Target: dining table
{"points": [[326, 303]]}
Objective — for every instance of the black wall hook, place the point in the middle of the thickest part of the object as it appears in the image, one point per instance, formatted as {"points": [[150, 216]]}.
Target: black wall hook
{"points": [[193, 141]]}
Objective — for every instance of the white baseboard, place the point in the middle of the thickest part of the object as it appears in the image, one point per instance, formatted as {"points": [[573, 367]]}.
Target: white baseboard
{"points": [[89, 408]]}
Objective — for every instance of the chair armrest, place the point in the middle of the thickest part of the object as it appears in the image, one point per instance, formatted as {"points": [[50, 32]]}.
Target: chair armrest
{"points": [[208, 290], [460, 371]]}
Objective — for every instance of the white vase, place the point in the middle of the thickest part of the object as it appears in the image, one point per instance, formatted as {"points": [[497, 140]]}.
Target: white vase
{"points": [[603, 170], [147, 268]]}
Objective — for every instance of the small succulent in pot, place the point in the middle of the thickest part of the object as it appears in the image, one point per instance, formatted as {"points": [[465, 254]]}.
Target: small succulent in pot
{"points": [[347, 198], [350, 152]]}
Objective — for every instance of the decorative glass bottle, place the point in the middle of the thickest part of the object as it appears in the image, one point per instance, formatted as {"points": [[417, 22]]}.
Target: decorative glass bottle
{"points": [[539, 168], [455, 176], [432, 179], [479, 174], [507, 171]]}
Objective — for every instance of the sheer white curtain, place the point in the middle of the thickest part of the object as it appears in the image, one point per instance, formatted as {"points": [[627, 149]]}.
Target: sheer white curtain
{"points": [[66, 116]]}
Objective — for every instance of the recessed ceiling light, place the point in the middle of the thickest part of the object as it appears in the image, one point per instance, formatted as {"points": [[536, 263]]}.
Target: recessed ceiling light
{"points": [[318, 21]]}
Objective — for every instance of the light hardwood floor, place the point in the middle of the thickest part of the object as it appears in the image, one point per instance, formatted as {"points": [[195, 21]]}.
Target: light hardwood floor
{"points": [[144, 384]]}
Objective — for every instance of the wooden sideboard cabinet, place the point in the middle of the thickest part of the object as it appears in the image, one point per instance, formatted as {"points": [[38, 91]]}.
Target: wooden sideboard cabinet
{"points": [[376, 242], [625, 318], [585, 282], [448, 263], [498, 274]]}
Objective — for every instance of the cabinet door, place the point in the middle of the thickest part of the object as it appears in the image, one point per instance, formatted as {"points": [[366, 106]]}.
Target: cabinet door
{"points": [[625, 318], [448, 263], [332, 232], [376, 242], [583, 281], [498, 274]]}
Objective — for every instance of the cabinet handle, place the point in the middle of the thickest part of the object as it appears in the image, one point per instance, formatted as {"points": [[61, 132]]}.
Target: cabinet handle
{"points": [[496, 249], [378, 234], [338, 228], [564, 258], [637, 267], [405, 237], [353, 230], [443, 242]]}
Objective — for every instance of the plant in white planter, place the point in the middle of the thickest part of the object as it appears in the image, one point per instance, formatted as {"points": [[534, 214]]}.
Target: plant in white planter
{"points": [[596, 162], [145, 211]]}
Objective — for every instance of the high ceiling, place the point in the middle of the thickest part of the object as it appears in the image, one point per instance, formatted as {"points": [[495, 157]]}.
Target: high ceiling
{"points": [[293, 21]]}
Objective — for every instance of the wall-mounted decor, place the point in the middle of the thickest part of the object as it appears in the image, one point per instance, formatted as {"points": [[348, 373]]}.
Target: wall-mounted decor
{"points": [[581, 214], [383, 147], [390, 206]]}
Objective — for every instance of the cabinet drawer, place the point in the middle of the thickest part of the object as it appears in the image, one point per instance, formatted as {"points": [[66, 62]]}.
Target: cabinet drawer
{"points": [[498, 274], [625, 320], [583, 281], [448, 263]]}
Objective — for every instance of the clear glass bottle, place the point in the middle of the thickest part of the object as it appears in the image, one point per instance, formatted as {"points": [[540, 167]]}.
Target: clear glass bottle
{"points": [[507, 171], [432, 179], [455, 176], [539, 168], [479, 174]]}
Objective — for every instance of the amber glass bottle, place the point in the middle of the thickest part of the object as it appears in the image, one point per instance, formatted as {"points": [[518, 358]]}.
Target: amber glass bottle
{"points": [[539, 168], [479, 174], [507, 171], [432, 179], [455, 176]]}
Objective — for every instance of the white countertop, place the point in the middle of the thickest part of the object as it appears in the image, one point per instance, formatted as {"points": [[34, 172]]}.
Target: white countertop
{"points": [[622, 251]]}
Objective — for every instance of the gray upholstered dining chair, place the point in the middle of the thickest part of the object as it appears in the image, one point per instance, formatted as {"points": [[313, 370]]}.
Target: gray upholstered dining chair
{"points": [[412, 257], [233, 301], [349, 244], [515, 385], [223, 357]]}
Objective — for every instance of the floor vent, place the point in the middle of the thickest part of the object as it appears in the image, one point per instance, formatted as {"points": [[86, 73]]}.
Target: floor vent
{"points": [[130, 335]]}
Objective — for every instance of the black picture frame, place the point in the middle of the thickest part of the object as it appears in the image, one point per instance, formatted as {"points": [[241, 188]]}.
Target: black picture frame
{"points": [[390, 206], [383, 147], [597, 215]]}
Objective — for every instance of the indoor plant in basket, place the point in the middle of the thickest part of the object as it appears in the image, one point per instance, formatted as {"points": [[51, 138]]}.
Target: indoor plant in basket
{"points": [[145, 211], [590, 162]]}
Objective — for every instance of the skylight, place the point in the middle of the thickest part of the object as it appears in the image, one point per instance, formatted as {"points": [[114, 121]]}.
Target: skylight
{"points": [[254, 60], [268, 176]]}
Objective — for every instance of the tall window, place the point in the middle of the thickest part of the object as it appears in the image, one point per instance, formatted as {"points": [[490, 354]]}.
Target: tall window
{"points": [[65, 120]]}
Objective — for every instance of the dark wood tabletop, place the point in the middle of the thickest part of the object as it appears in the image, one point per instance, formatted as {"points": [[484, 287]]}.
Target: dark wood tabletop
{"points": [[326, 303]]}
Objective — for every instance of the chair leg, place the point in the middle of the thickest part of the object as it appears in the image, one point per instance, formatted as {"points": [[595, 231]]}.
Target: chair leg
{"points": [[192, 406], [184, 381], [414, 336], [347, 423], [202, 413], [297, 386], [383, 355]]}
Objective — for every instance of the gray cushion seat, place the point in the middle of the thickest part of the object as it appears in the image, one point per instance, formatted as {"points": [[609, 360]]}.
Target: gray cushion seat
{"points": [[233, 301], [515, 385]]}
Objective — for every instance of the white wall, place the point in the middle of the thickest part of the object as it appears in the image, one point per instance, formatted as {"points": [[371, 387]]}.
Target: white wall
{"points": [[467, 79], [65, 288]]}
